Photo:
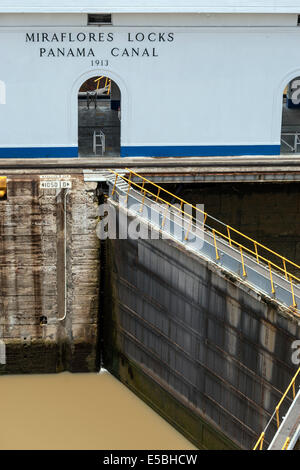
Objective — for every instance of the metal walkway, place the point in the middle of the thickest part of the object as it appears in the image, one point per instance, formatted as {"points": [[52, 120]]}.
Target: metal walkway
{"points": [[289, 430], [262, 269]]}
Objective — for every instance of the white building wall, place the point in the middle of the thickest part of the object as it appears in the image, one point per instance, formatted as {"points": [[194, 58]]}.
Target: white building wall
{"points": [[145, 6], [212, 90], [204, 19], [151, 19], [39, 19]]}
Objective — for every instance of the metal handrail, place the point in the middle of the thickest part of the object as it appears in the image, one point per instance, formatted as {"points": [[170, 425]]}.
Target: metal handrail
{"points": [[107, 83], [292, 384], [296, 136], [221, 223], [261, 438], [286, 444], [255, 247], [260, 442]]}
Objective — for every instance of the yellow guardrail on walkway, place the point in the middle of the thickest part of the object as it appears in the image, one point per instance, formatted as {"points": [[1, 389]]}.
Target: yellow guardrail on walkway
{"points": [[261, 253], [259, 444], [291, 385], [286, 444], [107, 83]]}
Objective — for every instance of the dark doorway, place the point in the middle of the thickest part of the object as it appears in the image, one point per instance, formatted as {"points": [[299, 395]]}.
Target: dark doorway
{"points": [[99, 118], [290, 132]]}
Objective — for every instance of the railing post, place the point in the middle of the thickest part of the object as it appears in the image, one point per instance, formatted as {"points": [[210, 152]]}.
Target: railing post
{"points": [[294, 390], [188, 230], [285, 271], [228, 232], [260, 441], [129, 186], [113, 190], [271, 279], [277, 416], [256, 252], [286, 444], [242, 258], [292, 290], [215, 242], [158, 193]]}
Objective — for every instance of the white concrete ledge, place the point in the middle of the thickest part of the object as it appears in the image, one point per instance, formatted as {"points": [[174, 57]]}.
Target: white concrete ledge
{"points": [[146, 6]]}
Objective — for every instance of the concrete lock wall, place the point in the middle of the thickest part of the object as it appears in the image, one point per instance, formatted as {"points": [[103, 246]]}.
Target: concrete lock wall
{"points": [[194, 90], [36, 292], [204, 350]]}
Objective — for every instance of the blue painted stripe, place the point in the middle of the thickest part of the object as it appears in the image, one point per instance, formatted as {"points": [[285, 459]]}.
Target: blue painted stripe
{"points": [[146, 151], [39, 152], [199, 151]]}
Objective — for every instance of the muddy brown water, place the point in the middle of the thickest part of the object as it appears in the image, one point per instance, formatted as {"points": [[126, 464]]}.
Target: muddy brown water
{"points": [[79, 411]]}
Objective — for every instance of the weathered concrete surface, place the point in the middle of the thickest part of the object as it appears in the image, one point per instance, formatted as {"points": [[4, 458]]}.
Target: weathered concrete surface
{"points": [[219, 349], [32, 278], [258, 168]]}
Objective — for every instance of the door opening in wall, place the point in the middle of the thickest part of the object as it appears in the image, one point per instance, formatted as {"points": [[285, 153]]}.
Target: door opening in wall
{"points": [[99, 118], [290, 131]]}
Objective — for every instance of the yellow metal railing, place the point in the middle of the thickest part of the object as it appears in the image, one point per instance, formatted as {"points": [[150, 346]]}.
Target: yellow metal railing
{"points": [[286, 444], [244, 244], [107, 83], [292, 385], [3, 186], [260, 442]]}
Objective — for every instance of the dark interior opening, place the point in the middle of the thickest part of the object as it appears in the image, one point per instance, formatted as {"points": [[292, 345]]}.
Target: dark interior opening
{"points": [[99, 118]]}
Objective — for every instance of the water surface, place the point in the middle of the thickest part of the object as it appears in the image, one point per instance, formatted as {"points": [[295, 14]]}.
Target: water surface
{"points": [[79, 411]]}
